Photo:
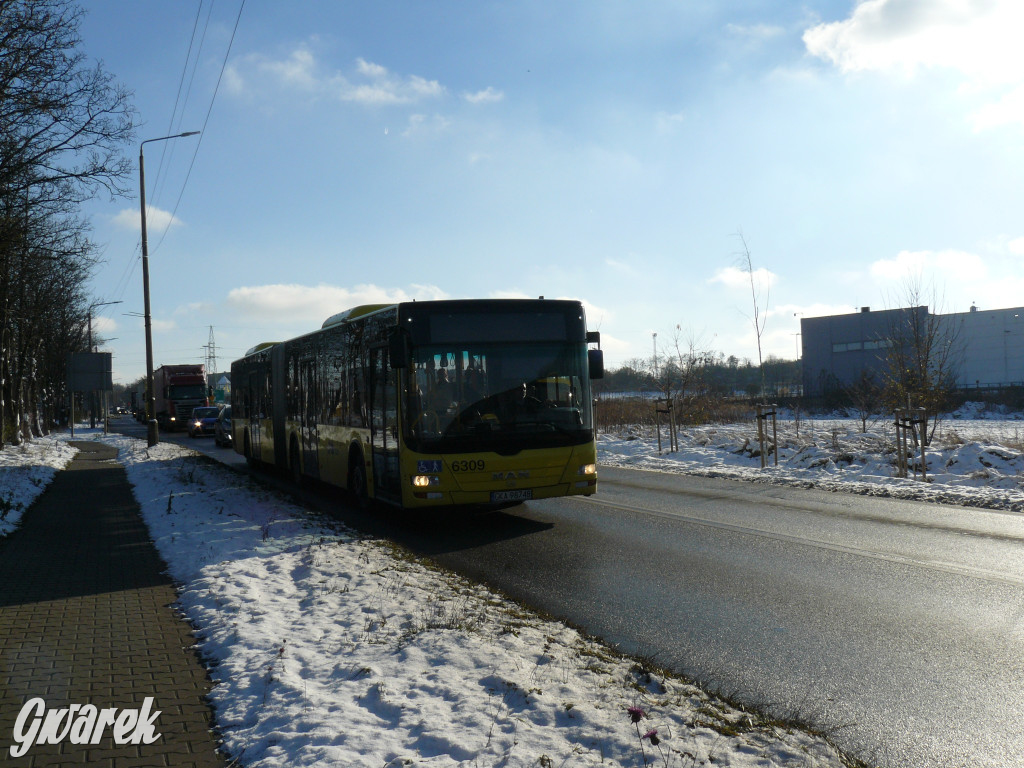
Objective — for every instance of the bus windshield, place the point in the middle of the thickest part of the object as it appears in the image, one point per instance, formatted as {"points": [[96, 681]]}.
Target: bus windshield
{"points": [[497, 396]]}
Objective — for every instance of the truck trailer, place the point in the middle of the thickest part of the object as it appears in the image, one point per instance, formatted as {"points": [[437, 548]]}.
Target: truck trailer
{"points": [[177, 390]]}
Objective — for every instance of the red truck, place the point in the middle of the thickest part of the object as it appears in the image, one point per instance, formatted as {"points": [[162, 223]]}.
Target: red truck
{"points": [[178, 389]]}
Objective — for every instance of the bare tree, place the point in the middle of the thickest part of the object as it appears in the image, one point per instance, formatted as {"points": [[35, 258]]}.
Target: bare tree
{"points": [[760, 316], [922, 351], [865, 395], [691, 362], [63, 122]]}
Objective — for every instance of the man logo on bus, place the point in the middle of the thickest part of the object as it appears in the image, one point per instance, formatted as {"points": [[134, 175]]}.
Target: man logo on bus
{"points": [[522, 474]]}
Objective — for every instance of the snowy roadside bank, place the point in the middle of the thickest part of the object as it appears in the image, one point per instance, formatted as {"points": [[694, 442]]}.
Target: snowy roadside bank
{"points": [[25, 471], [331, 649], [968, 464]]}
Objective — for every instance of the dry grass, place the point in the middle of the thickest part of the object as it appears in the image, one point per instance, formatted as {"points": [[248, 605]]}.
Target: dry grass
{"points": [[625, 412]]}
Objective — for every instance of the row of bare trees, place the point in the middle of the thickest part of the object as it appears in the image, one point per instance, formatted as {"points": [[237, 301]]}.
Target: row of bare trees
{"points": [[702, 385], [63, 124], [919, 357]]}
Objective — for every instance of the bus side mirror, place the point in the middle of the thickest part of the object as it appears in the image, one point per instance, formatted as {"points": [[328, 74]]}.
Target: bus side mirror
{"points": [[595, 361], [398, 350]]}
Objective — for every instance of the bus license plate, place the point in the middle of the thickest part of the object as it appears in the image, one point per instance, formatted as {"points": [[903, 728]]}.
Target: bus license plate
{"points": [[523, 494]]}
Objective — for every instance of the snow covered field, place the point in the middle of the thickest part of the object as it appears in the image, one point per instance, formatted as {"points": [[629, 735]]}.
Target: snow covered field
{"points": [[329, 648], [972, 461]]}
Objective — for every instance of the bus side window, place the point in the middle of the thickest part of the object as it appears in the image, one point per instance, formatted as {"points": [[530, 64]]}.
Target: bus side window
{"points": [[357, 415]]}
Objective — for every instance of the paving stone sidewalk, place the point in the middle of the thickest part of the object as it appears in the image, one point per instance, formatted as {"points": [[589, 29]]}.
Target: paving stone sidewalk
{"points": [[87, 617]]}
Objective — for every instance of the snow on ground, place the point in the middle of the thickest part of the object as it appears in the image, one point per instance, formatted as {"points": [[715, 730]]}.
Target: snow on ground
{"points": [[25, 471], [971, 461], [332, 649], [329, 648]]}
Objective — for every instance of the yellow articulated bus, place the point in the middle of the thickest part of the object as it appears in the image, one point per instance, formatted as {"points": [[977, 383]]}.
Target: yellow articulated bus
{"points": [[428, 404]]}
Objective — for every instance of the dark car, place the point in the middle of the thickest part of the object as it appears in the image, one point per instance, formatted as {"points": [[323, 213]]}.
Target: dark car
{"points": [[222, 428], [203, 420]]}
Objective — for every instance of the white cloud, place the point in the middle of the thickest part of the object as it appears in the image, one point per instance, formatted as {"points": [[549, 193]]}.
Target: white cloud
{"points": [[978, 42], [615, 349], [420, 124], [596, 315], [734, 277], [299, 70], [103, 325], [980, 39], [1016, 246], [487, 96], [157, 220], [374, 71], [293, 304], [311, 305], [383, 87], [952, 265], [296, 71], [905, 264]]}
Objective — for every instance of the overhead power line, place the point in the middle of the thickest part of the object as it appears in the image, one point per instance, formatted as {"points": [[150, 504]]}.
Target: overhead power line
{"points": [[206, 120]]}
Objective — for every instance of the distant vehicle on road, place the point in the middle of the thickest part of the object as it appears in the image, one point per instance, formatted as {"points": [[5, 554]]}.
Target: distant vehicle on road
{"points": [[203, 421], [177, 390], [222, 427]]}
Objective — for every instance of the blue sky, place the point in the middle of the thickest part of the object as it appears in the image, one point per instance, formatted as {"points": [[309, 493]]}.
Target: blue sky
{"points": [[606, 151]]}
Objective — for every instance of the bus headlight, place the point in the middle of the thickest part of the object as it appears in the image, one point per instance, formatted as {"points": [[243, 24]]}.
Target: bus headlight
{"points": [[588, 469], [424, 481]]}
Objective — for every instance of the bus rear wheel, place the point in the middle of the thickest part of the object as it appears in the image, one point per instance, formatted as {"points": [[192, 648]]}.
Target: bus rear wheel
{"points": [[249, 458], [295, 464], [357, 484]]}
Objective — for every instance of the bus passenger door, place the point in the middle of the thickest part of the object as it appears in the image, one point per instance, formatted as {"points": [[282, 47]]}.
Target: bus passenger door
{"points": [[384, 426], [309, 411], [255, 413]]}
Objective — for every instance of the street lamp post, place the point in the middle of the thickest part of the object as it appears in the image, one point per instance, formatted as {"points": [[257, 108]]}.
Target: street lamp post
{"points": [[151, 427]]}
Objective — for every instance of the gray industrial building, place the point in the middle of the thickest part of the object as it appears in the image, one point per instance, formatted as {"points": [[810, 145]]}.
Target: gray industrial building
{"points": [[987, 347]]}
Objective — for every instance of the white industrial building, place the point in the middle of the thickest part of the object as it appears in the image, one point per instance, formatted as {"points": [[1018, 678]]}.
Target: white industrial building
{"points": [[988, 346], [991, 347]]}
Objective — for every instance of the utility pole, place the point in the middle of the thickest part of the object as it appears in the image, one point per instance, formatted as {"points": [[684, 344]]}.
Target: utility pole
{"points": [[211, 354], [152, 433]]}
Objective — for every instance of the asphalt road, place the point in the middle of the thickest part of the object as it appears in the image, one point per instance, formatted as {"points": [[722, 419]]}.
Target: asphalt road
{"points": [[897, 625]]}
